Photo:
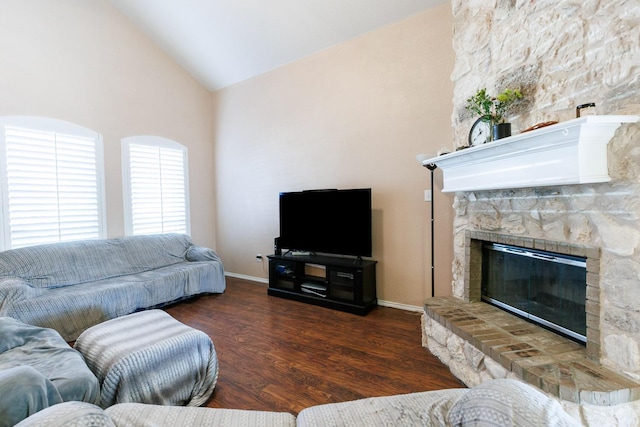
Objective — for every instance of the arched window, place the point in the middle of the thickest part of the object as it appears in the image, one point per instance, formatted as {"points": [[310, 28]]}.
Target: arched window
{"points": [[156, 186], [52, 182]]}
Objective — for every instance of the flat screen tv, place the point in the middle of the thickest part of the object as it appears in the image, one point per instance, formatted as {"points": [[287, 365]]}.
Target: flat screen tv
{"points": [[327, 221]]}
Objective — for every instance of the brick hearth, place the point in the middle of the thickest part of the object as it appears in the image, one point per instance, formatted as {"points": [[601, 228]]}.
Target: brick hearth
{"points": [[478, 339], [542, 358]]}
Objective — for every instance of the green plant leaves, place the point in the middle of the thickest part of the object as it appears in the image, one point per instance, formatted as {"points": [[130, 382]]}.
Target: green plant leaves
{"points": [[492, 109]]}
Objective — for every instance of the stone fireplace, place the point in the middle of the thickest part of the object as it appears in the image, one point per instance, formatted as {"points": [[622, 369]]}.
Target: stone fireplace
{"points": [[479, 341], [578, 219], [561, 54]]}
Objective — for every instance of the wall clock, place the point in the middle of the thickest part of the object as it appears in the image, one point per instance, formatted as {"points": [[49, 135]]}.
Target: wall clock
{"points": [[479, 133]]}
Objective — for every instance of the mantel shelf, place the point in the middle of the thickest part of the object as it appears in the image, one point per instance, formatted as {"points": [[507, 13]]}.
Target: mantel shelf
{"points": [[571, 152]]}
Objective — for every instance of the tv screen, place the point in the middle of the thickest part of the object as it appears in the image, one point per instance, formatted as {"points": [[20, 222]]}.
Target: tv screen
{"points": [[327, 221]]}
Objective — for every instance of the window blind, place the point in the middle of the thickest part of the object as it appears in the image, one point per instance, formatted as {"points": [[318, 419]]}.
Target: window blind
{"points": [[158, 189], [53, 187]]}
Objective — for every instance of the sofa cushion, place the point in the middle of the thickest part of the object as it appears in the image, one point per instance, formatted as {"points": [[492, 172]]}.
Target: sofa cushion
{"points": [[414, 409], [70, 263], [69, 414], [141, 415], [505, 402]]}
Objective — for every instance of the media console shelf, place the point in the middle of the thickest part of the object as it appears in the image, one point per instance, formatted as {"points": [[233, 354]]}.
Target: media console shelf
{"points": [[339, 283]]}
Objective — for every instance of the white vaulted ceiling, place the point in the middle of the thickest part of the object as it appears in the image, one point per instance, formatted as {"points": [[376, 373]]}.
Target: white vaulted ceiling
{"points": [[222, 42]]}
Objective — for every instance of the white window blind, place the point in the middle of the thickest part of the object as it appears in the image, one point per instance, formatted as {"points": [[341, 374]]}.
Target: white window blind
{"points": [[156, 186], [52, 187]]}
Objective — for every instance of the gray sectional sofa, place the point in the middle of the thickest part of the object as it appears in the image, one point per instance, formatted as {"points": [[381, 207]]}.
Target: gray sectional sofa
{"points": [[495, 403], [72, 286]]}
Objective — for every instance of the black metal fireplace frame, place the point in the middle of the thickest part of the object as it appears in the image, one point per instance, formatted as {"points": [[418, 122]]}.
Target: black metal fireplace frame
{"points": [[544, 256]]}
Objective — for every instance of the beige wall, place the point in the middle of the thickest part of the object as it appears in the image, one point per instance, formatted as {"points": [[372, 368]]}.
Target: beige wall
{"points": [[354, 115], [83, 62]]}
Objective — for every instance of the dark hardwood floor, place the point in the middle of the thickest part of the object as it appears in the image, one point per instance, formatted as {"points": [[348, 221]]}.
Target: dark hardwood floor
{"points": [[276, 354]]}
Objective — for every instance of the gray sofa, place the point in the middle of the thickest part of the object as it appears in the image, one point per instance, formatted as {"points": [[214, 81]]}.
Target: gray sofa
{"points": [[495, 403], [74, 285]]}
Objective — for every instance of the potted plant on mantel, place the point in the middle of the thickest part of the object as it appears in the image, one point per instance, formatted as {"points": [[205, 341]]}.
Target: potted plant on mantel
{"points": [[492, 111]]}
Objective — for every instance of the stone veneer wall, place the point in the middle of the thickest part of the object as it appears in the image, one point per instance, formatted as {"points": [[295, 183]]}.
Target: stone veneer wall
{"points": [[561, 53]]}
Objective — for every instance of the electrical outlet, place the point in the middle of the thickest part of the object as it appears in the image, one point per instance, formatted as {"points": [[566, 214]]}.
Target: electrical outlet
{"points": [[427, 195], [258, 258]]}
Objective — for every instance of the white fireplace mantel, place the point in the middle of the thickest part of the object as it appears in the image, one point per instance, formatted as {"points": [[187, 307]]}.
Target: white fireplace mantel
{"points": [[571, 152]]}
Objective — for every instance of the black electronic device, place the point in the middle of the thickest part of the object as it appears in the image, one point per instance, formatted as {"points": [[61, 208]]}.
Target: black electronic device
{"points": [[276, 246], [327, 221]]}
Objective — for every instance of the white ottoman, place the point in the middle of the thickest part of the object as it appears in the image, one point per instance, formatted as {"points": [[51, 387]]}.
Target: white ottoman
{"points": [[149, 357]]}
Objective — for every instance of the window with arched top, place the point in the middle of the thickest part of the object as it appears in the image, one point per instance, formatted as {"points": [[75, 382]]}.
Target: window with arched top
{"points": [[51, 182], [156, 186]]}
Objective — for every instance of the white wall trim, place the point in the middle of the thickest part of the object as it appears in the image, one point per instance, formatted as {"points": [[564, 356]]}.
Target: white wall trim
{"points": [[245, 277], [399, 306]]}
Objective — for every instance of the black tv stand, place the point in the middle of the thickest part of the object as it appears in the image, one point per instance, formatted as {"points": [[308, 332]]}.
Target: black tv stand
{"points": [[346, 284]]}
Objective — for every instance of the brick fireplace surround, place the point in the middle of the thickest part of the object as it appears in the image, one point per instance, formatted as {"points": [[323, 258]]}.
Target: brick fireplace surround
{"points": [[493, 343]]}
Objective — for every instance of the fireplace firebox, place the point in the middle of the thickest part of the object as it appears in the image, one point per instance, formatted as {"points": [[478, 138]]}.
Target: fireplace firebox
{"points": [[546, 288]]}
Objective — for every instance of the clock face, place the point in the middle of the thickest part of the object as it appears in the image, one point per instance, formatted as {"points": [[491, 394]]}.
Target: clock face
{"points": [[479, 133]]}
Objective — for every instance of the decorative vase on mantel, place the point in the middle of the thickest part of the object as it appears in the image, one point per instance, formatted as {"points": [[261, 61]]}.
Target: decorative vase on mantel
{"points": [[501, 130]]}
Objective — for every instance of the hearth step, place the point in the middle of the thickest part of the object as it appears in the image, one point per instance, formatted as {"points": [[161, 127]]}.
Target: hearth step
{"points": [[551, 362]]}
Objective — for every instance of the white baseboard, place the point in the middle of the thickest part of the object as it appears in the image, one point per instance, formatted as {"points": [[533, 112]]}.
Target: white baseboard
{"points": [[382, 303], [399, 306], [245, 277]]}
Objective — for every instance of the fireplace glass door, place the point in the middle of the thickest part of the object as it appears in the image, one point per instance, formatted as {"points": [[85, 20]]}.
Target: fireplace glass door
{"points": [[544, 287]]}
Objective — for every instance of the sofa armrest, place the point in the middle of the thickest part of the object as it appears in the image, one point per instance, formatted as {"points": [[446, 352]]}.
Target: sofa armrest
{"points": [[199, 253], [24, 391], [508, 402], [427, 409], [12, 290], [69, 413]]}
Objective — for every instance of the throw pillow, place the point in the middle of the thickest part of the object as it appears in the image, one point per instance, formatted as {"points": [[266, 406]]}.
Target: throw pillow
{"points": [[505, 402]]}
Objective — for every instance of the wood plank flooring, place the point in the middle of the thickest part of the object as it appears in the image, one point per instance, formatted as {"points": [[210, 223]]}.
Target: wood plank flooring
{"points": [[282, 355]]}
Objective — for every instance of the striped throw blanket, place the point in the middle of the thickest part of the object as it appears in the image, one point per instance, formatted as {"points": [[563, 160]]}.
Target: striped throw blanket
{"points": [[149, 357]]}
